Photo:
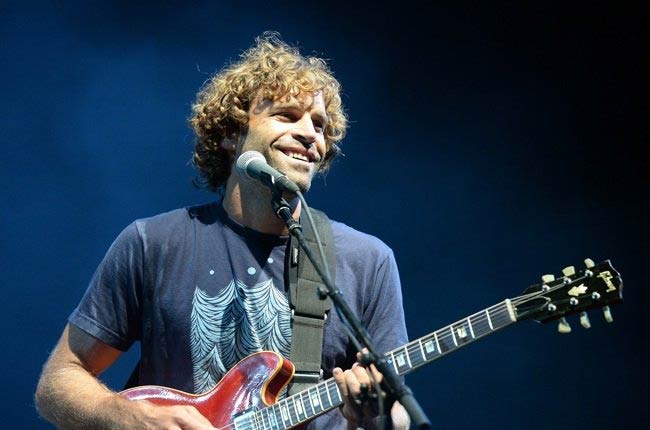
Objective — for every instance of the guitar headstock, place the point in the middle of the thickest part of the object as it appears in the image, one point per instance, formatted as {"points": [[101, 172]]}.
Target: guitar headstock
{"points": [[595, 286]]}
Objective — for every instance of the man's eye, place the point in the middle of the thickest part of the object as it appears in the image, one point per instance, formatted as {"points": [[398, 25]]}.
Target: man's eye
{"points": [[284, 115], [319, 128]]}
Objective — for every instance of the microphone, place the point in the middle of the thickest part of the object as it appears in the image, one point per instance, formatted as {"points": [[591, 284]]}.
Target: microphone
{"points": [[253, 165]]}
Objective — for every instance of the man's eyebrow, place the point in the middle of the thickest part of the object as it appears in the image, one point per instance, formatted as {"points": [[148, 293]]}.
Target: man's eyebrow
{"points": [[287, 105], [295, 104]]}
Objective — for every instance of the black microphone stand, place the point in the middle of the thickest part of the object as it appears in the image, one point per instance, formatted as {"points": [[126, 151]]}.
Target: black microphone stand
{"points": [[395, 388]]}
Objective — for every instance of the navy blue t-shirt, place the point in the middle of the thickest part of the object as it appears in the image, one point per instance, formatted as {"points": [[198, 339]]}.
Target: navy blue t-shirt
{"points": [[219, 294]]}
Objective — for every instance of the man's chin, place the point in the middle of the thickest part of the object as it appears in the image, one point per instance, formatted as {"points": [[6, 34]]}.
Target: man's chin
{"points": [[304, 186]]}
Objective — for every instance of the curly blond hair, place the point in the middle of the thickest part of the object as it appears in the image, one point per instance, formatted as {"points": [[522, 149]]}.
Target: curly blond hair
{"points": [[270, 68]]}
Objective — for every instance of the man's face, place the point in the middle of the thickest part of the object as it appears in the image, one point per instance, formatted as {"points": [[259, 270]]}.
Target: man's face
{"points": [[289, 133]]}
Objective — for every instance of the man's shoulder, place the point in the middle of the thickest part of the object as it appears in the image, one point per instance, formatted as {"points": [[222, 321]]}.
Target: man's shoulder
{"points": [[352, 241], [171, 223]]}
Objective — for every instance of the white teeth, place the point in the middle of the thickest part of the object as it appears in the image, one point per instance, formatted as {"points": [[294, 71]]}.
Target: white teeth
{"points": [[298, 156]]}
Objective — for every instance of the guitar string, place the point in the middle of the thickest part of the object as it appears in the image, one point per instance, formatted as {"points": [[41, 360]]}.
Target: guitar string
{"points": [[445, 333], [477, 318], [410, 348], [256, 415]]}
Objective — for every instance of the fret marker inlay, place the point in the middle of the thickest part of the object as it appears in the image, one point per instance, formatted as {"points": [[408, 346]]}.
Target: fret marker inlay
{"points": [[283, 412], [299, 407], [400, 360], [424, 356], [461, 332]]}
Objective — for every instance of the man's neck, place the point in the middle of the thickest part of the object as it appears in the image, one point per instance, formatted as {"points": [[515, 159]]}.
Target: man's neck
{"points": [[249, 204]]}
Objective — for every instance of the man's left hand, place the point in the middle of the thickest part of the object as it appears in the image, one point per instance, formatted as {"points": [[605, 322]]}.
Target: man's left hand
{"points": [[350, 384]]}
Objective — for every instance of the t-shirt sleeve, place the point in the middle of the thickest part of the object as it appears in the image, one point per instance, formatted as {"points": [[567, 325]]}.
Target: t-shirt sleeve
{"points": [[384, 316], [109, 310]]}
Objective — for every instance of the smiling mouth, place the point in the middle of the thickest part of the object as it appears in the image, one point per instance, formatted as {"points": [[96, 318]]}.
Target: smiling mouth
{"points": [[297, 155]]}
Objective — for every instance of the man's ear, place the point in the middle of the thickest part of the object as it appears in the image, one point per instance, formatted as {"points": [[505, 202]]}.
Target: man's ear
{"points": [[229, 145]]}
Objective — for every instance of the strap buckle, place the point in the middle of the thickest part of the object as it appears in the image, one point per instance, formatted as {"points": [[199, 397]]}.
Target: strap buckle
{"points": [[309, 378]]}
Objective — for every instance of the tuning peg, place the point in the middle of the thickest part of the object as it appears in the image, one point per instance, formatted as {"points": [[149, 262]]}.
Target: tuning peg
{"points": [[584, 320], [563, 326], [569, 271], [608, 314], [548, 278], [589, 263]]}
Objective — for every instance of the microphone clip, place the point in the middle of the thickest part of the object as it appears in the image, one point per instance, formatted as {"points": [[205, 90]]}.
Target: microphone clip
{"points": [[283, 211]]}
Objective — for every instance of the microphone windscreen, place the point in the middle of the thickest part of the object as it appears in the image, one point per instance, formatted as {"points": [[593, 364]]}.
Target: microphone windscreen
{"points": [[244, 160]]}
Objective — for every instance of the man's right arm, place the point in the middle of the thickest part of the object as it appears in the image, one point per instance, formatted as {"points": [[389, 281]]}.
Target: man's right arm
{"points": [[70, 395]]}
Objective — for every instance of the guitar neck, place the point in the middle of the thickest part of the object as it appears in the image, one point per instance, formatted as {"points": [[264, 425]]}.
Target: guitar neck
{"points": [[310, 403], [450, 338]]}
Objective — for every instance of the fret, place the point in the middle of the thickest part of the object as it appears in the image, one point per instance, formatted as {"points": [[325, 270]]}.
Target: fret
{"points": [[242, 422], [327, 388], [489, 319], [255, 421], [270, 417], [408, 359], [500, 315], [462, 332], [453, 337], [285, 414], [391, 360], [446, 341], [312, 403], [471, 329], [494, 317], [314, 399], [480, 325], [401, 360], [309, 408], [273, 414], [323, 399], [290, 412], [338, 399], [424, 356], [291, 407], [430, 348], [334, 393], [414, 354], [299, 409], [259, 416], [320, 397], [435, 336]]}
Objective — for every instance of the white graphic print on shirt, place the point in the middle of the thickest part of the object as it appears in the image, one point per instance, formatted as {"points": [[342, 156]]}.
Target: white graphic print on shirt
{"points": [[235, 323]]}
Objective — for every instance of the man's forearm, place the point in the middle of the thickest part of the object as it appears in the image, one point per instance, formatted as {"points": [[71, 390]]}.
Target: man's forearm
{"points": [[73, 399]]}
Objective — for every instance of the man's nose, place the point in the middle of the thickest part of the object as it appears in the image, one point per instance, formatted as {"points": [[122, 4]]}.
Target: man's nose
{"points": [[304, 132]]}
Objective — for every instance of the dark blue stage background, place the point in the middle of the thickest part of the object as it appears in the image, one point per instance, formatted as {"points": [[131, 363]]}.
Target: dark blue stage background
{"points": [[488, 146]]}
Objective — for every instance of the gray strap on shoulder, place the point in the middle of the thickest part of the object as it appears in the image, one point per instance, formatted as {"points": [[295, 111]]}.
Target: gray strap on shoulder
{"points": [[309, 311]]}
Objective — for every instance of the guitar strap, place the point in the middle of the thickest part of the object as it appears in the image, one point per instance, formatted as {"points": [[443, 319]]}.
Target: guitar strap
{"points": [[309, 312]]}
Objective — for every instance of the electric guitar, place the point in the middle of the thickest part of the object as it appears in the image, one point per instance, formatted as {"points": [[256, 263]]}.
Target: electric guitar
{"points": [[247, 396]]}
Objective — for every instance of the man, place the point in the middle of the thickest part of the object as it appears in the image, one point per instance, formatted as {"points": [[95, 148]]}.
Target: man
{"points": [[211, 278]]}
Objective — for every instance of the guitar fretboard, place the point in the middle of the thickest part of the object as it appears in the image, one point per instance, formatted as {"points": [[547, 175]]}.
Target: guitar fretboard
{"points": [[447, 339], [310, 403]]}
